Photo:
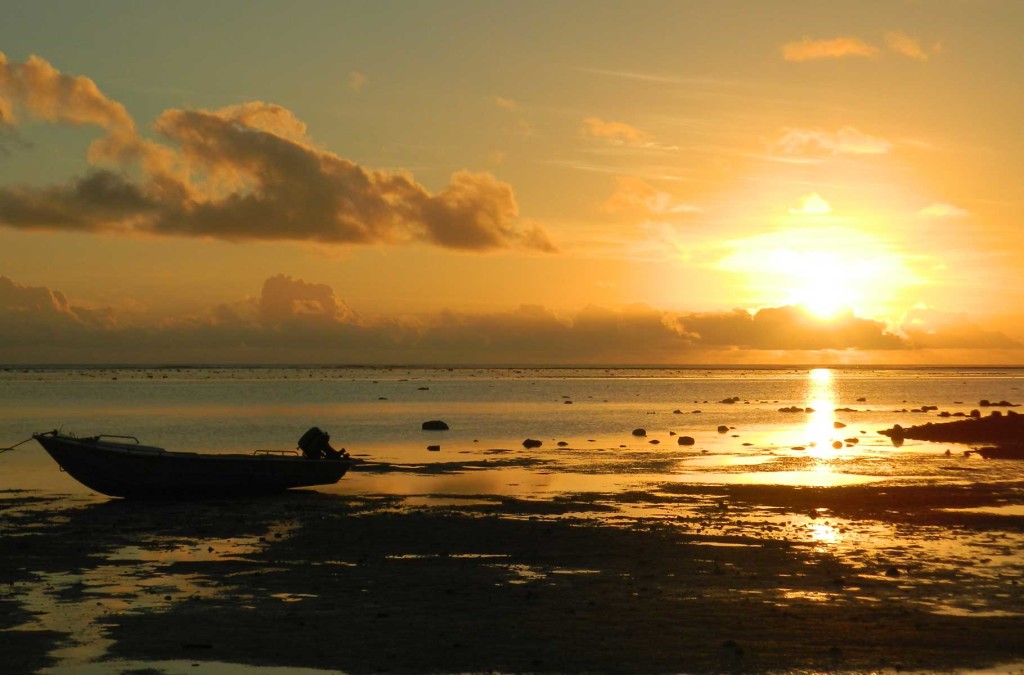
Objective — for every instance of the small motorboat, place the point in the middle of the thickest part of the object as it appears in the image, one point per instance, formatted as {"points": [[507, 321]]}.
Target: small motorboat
{"points": [[120, 466]]}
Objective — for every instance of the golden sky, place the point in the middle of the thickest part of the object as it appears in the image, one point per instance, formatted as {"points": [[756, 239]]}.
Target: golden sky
{"points": [[512, 182]]}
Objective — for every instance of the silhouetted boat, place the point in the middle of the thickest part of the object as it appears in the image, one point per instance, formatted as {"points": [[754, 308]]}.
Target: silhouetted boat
{"points": [[120, 466]]}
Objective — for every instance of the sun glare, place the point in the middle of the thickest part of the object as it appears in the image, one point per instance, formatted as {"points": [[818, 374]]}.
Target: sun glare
{"points": [[821, 283], [829, 271]]}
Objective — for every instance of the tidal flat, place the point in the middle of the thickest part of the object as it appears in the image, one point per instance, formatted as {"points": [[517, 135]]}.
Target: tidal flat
{"points": [[672, 578]]}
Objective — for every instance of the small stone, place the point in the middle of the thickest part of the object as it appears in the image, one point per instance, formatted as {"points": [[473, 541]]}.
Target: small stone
{"points": [[722, 429], [435, 425], [686, 440], [434, 448], [639, 432], [532, 443]]}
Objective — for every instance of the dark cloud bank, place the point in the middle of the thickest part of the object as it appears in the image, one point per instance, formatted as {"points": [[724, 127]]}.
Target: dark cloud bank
{"points": [[294, 321]]}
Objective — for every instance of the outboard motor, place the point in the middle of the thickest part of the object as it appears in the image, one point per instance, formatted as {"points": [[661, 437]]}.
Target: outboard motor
{"points": [[316, 444]]}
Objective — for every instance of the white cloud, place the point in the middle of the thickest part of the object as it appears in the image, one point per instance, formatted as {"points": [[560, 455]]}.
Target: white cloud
{"points": [[847, 140], [812, 205]]}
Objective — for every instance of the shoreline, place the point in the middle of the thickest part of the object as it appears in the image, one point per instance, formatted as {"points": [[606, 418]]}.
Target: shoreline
{"points": [[676, 577]]}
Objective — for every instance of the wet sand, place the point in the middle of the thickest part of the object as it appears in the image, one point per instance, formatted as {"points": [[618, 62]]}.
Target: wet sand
{"points": [[671, 578]]}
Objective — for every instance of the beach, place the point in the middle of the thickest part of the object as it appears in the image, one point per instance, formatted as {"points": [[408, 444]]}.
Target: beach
{"points": [[740, 553], [742, 579]]}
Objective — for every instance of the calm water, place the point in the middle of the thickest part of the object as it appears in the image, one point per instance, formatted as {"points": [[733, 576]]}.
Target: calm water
{"points": [[377, 414]]}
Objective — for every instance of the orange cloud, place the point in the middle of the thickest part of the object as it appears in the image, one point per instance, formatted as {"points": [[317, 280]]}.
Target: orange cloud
{"points": [[617, 132], [506, 103], [836, 48], [635, 196], [939, 210], [930, 328], [244, 172], [901, 43], [285, 300]]}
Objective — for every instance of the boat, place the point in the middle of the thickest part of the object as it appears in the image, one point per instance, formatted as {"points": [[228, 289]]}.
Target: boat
{"points": [[121, 466]]}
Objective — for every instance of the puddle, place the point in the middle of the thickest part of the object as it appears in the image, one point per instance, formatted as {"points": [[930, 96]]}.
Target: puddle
{"points": [[132, 579]]}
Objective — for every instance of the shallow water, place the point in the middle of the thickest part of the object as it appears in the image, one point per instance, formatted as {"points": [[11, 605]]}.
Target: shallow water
{"points": [[897, 518], [377, 414]]}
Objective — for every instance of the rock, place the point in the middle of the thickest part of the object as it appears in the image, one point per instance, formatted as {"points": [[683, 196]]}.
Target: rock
{"points": [[435, 425], [639, 432], [722, 429], [686, 440], [731, 400], [562, 444], [532, 443], [837, 444], [838, 425], [654, 441], [893, 572], [861, 399], [434, 448]]}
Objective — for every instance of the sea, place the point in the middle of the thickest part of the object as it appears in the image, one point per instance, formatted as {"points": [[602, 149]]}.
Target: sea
{"points": [[599, 429]]}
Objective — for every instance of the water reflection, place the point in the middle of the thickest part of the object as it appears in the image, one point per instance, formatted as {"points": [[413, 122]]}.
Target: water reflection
{"points": [[820, 430]]}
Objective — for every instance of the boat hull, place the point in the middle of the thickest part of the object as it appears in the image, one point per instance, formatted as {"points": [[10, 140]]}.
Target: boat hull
{"points": [[143, 472]]}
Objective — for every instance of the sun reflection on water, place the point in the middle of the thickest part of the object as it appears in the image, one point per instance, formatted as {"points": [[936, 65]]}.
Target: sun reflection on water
{"points": [[820, 430]]}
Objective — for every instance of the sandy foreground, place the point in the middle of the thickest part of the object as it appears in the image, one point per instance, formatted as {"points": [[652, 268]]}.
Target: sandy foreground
{"points": [[674, 578]]}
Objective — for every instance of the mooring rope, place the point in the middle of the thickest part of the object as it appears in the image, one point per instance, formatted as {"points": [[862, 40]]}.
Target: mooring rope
{"points": [[3, 450]]}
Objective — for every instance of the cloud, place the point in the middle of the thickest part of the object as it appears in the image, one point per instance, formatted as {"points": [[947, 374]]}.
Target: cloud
{"points": [[939, 210], [292, 320], [897, 42], [836, 48], [616, 132], [901, 43], [812, 205], [930, 328], [844, 141], [506, 103], [35, 317], [286, 300], [357, 80], [243, 172], [49, 95], [635, 196], [789, 328]]}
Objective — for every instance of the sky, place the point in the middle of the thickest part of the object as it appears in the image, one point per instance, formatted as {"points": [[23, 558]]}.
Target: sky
{"points": [[528, 182]]}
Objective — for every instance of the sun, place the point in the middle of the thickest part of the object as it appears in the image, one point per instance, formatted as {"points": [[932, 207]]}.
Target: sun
{"points": [[823, 283], [829, 271]]}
